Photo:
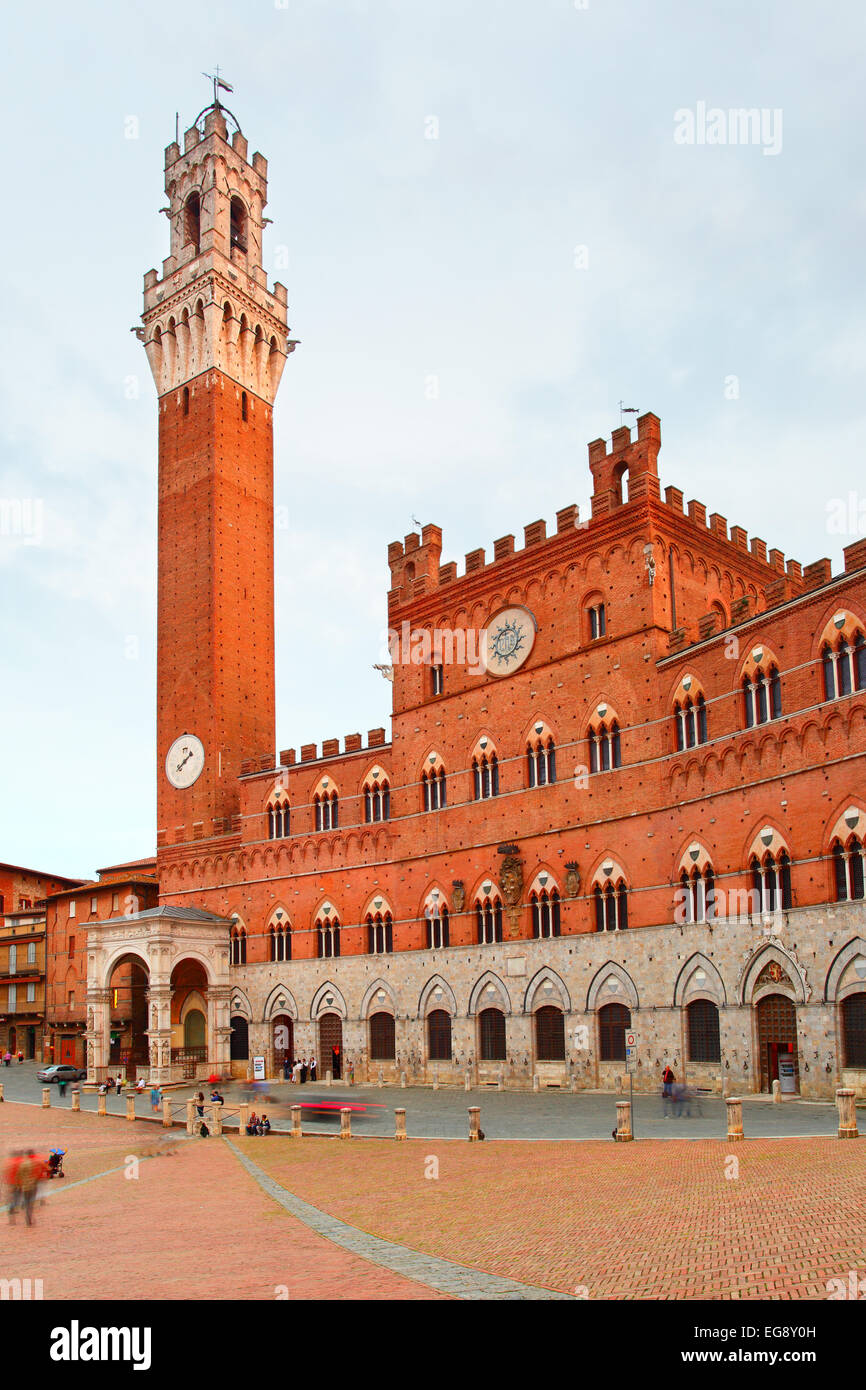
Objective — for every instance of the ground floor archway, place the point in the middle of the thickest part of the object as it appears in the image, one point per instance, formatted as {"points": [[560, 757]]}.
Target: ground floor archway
{"points": [[777, 1043], [158, 995]]}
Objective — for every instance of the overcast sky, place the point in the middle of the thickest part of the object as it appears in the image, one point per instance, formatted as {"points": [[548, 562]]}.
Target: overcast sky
{"points": [[409, 258]]}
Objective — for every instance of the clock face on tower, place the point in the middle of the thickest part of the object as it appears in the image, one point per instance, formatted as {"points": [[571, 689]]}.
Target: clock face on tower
{"points": [[184, 761]]}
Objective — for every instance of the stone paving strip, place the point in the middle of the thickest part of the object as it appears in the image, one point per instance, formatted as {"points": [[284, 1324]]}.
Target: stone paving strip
{"points": [[444, 1275]]}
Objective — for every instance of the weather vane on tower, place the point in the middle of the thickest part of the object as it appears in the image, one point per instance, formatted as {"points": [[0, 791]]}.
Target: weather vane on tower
{"points": [[218, 82]]}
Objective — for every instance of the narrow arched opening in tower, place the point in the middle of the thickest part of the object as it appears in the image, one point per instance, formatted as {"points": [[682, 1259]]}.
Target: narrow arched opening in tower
{"points": [[192, 221]]}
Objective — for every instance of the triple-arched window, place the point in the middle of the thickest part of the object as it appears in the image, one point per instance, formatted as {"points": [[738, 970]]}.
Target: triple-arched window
{"points": [[380, 934], [771, 883], [238, 945], [433, 788], [848, 863], [327, 809], [545, 914], [438, 925], [604, 747], [690, 719], [377, 801], [278, 820], [485, 776], [844, 666], [328, 931], [611, 906], [541, 761], [697, 895], [488, 920], [762, 693], [279, 941]]}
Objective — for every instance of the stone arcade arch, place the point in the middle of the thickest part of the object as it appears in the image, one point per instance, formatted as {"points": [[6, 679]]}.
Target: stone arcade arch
{"points": [[158, 941]]}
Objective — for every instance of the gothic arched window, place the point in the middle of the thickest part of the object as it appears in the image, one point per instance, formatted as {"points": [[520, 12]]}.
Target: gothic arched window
{"points": [[488, 920], [541, 761], [328, 930], [380, 938]]}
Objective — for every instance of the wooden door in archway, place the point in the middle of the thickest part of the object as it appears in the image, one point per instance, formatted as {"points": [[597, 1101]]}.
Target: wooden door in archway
{"points": [[330, 1057], [777, 1039]]}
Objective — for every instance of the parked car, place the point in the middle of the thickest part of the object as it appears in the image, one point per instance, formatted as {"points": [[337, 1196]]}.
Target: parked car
{"points": [[62, 1071]]}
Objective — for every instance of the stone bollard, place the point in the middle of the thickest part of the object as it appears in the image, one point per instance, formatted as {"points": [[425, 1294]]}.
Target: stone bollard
{"points": [[623, 1122], [573, 1086], [100, 1103], [76, 1099], [296, 1122], [190, 1116], [536, 1081], [500, 1080], [166, 1113], [216, 1114], [402, 1081], [243, 1118], [735, 1118], [467, 1081], [847, 1113], [345, 1123], [46, 1097], [474, 1123], [436, 1079], [381, 1080], [400, 1124], [130, 1107], [777, 1092], [329, 1077]]}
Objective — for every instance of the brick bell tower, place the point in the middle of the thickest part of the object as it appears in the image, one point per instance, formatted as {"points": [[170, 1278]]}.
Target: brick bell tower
{"points": [[217, 340]]}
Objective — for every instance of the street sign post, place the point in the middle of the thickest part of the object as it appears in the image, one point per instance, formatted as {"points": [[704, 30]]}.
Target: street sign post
{"points": [[630, 1064]]}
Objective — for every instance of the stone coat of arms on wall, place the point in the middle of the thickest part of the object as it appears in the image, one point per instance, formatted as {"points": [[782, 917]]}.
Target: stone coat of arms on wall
{"points": [[458, 895], [511, 882], [572, 878]]}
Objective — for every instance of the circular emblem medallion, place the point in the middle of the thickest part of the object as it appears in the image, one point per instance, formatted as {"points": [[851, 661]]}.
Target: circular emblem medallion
{"points": [[508, 640]]}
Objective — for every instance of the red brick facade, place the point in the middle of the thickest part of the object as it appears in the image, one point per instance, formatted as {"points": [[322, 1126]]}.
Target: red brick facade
{"points": [[714, 600]]}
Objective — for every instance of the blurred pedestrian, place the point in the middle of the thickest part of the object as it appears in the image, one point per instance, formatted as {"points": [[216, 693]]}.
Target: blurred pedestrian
{"points": [[155, 1097], [312, 1068]]}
